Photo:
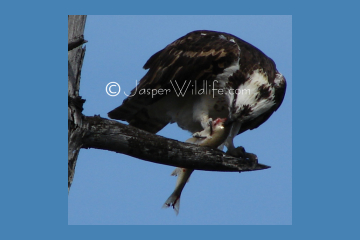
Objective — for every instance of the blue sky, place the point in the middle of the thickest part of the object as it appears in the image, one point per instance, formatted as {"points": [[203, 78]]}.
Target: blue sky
{"points": [[112, 188]]}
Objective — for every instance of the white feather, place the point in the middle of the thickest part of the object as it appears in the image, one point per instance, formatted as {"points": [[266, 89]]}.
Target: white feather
{"points": [[247, 92]]}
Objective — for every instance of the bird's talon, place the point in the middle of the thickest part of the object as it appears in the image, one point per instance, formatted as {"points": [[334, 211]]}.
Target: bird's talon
{"points": [[210, 122], [237, 152], [253, 158], [241, 153], [198, 135]]}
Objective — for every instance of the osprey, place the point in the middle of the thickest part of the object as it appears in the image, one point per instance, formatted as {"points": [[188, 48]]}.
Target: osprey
{"points": [[205, 75]]}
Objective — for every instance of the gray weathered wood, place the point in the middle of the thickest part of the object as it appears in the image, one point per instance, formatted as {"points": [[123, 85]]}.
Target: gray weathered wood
{"points": [[101, 133], [76, 42], [76, 26]]}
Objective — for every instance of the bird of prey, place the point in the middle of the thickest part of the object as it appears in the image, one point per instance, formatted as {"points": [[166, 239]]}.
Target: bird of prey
{"points": [[202, 76], [212, 136]]}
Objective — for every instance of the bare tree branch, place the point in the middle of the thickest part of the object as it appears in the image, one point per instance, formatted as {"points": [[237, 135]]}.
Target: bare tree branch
{"points": [[101, 133], [76, 42]]}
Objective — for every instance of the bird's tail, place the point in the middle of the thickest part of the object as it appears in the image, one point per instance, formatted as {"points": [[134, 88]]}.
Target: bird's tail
{"points": [[174, 199]]}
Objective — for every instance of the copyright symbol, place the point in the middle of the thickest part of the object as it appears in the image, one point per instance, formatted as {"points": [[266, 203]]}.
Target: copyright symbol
{"points": [[112, 89]]}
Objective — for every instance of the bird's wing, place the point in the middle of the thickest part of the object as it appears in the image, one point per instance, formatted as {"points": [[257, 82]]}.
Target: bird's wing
{"points": [[199, 55]]}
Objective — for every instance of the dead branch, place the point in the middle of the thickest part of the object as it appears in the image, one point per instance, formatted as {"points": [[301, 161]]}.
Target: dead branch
{"points": [[76, 42], [105, 134]]}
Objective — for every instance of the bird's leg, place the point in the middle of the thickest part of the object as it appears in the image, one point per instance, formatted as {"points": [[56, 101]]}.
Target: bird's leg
{"points": [[229, 141], [239, 151], [234, 151]]}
